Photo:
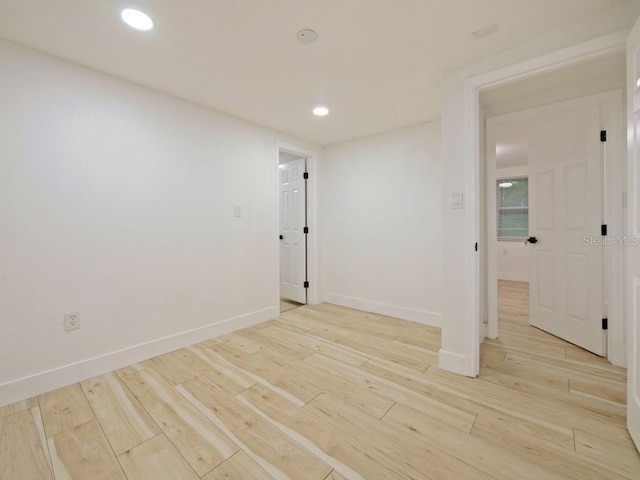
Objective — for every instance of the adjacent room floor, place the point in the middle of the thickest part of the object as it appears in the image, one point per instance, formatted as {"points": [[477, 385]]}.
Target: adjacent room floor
{"points": [[326, 392], [286, 305]]}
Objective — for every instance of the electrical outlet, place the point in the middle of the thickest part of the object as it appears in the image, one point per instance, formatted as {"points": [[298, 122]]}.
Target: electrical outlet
{"points": [[71, 321]]}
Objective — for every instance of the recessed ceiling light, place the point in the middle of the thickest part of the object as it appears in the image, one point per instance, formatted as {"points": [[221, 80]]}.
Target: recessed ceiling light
{"points": [[321, 111], [136, 19], [506, 185]]}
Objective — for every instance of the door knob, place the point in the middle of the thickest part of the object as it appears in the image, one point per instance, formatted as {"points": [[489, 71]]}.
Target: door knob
{"points": [[281, 237], [531, 240]]}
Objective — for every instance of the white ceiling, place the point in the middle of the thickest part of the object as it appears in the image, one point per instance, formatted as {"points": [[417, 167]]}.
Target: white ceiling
{"points": [[378, 64], [599, 75], [513, 137], [287, 157]]}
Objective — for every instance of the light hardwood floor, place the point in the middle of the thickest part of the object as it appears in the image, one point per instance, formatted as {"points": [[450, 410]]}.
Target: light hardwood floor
{"points": [[326, 392], [286, 305]]}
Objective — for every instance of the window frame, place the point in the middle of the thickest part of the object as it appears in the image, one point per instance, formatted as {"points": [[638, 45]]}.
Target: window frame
{"points": [[498, 207]]}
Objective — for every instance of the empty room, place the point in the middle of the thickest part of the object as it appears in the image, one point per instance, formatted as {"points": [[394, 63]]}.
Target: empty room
{"points": [[335, 240]]}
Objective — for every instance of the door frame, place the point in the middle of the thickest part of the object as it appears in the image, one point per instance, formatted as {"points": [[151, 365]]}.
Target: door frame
{"points": [[464, 306], [613, 106], [631, 274], [312, 218]]}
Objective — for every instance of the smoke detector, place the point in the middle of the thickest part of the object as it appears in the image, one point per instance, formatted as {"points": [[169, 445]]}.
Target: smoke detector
{"points": [[306, 36]]}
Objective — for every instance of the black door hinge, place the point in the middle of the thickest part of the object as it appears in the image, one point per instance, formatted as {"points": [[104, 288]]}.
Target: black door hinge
{"points": [[306, 284], [476, 247], [605, 324], [305, 230], [603, 135], [305, 175], [603, 230]]}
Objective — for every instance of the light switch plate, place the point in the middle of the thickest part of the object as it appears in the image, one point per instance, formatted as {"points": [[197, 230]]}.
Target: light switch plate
{"points": [[457, 200], [237, 210]]}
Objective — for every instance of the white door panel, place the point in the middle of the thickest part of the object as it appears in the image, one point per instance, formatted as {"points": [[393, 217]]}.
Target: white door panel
{"points": [[566, 208], [292, 223], [632, 249], [545, 180]]}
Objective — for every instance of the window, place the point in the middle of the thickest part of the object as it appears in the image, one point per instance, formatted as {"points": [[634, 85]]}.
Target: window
{"points": [[513, 208]]}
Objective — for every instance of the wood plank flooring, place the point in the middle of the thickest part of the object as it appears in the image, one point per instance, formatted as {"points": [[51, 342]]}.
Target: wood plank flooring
{"points": [[286, 305], [331, 393]]}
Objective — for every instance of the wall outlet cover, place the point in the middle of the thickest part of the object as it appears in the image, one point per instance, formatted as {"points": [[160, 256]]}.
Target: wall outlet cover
{"points": [[71, 321]]}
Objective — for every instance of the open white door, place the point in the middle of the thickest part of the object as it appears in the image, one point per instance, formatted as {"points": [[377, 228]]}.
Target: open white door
{"points": [[293, 265], [632, 250], [565, 214]]}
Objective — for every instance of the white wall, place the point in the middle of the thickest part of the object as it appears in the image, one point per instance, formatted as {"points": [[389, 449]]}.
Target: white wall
{"points": [[513, 261], [382, 223], [512, 257], [117, 202], [461, 324]]}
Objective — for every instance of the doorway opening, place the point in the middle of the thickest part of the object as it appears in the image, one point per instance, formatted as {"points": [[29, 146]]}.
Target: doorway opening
{"points": [[292, 178], [551, 185], [464, 314], [293, 229]]}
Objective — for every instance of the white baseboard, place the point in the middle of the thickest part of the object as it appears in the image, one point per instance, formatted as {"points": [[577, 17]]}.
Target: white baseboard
{"points": [[514, 277], [421, 316], [30, 386], [617, 354], [456, 363]]}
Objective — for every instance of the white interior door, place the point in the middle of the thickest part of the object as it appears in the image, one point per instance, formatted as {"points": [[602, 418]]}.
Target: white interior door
{"points": [[565, 216], [293, 268], [632, 250]]}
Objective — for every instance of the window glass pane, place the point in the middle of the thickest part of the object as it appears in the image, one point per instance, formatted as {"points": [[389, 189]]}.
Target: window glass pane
{"points": [[513, 223], [513, 207], [517, 195]]}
